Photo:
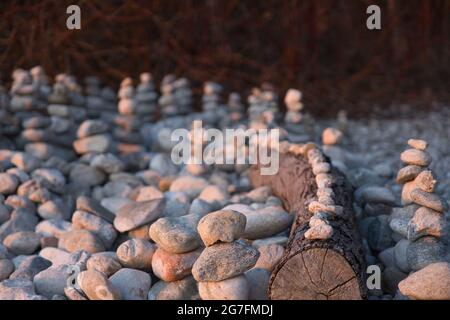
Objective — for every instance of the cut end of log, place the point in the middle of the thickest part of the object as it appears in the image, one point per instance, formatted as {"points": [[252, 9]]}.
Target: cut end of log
{"points": [[315, 274]]}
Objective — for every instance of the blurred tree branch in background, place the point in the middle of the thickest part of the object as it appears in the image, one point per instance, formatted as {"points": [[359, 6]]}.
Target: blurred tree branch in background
{"points": [[320, 46]]}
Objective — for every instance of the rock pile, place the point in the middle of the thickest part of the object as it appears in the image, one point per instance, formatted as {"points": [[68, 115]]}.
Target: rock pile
{"points": [[213, 110], [128, 121], [236, 109], [146, 98], [263, 107], [167, 101], [220, 267]]}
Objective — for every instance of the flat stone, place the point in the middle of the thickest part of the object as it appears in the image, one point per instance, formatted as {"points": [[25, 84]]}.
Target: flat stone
{"points": [[137, 214], [221, 226], [176, 234], [105, 262], [162, 164], [200, 207], [418, 144], [425, 251], [191, 186], [97, 287], [98, 143], [132, 284], [20, 220], [85, 175], [428, 200], [92, 206], [416, 157], [269, 256], [223, 261], [426, 222], [235, 288], [22, 242], [258, 281], [387, 257], [136, 254], [185, 289], [429, 283], [266, 222], [171, 266], [75, 240]]}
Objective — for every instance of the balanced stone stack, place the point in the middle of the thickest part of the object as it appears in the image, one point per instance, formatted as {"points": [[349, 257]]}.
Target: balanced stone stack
{"points": [[9, 126], [65, 116], [221, 266], [263, 107], [294, 119], [213, 110], [128, 121], [94, 100], [146, 98], [23, 92], [236, 108], [183, 96], [167, 101], [43, 89], [92, 137]]}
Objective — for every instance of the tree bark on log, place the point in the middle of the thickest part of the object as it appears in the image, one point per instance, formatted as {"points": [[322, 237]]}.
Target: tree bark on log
{"points": [[330, 269]]}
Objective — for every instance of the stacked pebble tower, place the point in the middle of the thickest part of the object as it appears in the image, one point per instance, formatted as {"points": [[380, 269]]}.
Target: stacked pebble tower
{"points": [[263, 107], [213, 110], [220, 231], [167, 101], [146, 98], [128, 122], [236, 108], [183, 96]]}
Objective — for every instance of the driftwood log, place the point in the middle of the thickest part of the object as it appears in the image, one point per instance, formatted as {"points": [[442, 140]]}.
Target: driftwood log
{"points": [[314, 269]]}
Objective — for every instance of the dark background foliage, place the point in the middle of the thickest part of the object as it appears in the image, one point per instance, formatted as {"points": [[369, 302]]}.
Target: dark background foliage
{"points": [[320, 46]]}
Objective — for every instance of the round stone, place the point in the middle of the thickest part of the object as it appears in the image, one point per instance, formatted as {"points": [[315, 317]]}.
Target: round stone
{"points": [[428, 200], [221, 226], [136, 214], [171, 266], [105, 262], [132, 284], [236, 288], [425, 251], [418, 144], [185, 289], [408, 173], [191, 186], [176, 234], [136, 254]]}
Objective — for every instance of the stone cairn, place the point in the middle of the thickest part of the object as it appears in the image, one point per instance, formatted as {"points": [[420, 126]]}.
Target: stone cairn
{"points": [[236, 108], [128, 122], [183, 96], [9, 126], [94, 99], [213, 110], [263, 107], [167, 101], [215, 269], [146, 98]]}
